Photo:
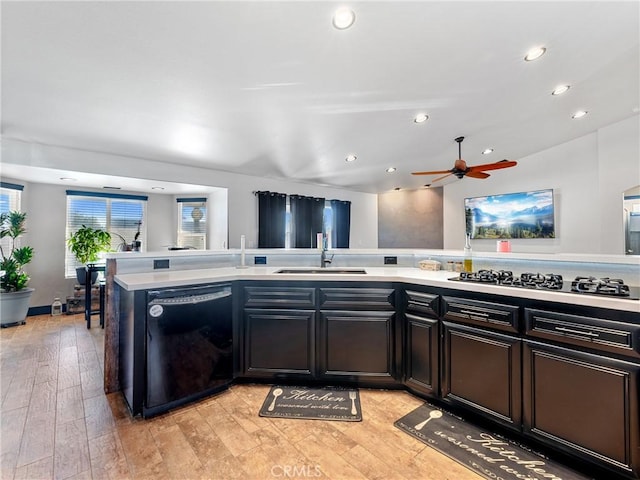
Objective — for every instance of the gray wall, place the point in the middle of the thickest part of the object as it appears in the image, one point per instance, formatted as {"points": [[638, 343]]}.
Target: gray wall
{"points": [[410, 219]]}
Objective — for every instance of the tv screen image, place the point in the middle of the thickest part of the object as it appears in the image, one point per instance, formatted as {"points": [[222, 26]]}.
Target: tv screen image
{"points": [[511, 215]]}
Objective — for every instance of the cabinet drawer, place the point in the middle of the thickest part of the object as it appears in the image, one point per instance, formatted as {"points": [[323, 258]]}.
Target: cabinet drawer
{"points": [[422, 303], [496, 316], [357, 298], [280, 297], [595, 333]]}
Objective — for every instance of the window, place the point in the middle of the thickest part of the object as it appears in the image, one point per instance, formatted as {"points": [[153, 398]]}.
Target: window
{"points": [[10, 194], [192, 223], [10, 197], [123, 216]]}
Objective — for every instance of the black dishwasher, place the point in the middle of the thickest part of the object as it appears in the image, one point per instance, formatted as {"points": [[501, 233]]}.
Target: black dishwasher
{"points": [[189, 345]]}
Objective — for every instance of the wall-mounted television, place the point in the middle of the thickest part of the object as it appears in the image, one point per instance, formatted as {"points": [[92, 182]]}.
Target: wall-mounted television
{"points": [[511, 215]]}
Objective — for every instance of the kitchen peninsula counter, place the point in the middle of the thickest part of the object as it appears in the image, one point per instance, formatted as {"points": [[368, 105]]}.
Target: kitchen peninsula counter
{"points": [[400, 326]]}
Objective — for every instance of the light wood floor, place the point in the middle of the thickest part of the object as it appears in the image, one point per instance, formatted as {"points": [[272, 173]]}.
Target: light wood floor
{"points": [[56, 422]]}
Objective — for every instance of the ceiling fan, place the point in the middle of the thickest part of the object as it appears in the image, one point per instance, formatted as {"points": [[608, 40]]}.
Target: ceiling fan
{"points": [[460, 168]]}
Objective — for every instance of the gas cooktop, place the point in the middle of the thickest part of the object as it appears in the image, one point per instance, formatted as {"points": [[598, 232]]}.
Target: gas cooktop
{"points": [[609, 287]]}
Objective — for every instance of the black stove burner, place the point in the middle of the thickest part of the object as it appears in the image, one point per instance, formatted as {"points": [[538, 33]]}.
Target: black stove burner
{"points": [[600, 286], [612, 287], [505, 277], [550, 281]]}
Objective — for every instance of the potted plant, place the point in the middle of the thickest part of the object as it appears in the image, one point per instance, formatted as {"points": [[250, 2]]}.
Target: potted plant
{"points": [[14, 293], [86, 244]]}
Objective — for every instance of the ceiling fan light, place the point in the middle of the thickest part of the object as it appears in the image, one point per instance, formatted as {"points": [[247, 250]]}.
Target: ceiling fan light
{"points": [[579, 114], [560, 89], [421, 118], [487, 151], [350, 158], [534, 54], [343, 18], [391, 169]]}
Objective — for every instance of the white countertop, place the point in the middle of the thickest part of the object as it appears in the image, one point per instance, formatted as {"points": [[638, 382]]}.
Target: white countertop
{"points": [[176, 278]]}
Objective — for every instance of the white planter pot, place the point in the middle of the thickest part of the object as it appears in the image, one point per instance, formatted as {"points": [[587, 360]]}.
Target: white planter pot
{"points": [[14, 307]]}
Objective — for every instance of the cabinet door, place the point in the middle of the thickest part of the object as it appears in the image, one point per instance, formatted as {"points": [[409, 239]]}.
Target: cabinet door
{"points": [[279, 342], [581, 402], [357, 344], [482, 370], [421, 361]]}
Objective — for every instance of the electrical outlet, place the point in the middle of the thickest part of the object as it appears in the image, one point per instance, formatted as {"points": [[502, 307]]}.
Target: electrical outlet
{"points": [[260, 260], [390, 260], [164, 263]]}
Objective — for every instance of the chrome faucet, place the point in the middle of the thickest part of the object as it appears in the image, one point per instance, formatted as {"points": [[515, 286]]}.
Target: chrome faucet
{"points": [[324, 261]]}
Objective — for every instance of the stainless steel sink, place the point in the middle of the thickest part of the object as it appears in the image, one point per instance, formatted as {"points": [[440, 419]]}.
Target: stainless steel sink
{"points": [[334, 271]]}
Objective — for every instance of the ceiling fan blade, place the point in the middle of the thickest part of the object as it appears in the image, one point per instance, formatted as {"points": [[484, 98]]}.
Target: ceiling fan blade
{"points": [[494, 166], [437, 172], [473, 174], [441, 178]]}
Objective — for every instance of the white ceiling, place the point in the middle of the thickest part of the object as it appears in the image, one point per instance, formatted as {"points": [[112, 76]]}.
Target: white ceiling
{"points": [[272, 89]]}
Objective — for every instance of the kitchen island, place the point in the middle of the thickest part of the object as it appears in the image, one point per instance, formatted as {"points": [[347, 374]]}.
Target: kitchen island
{"points": [[534, 362], [531, 361]]}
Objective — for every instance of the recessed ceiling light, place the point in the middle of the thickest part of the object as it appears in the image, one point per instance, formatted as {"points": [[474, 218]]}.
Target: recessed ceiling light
{"points": [[560, 89], [157, 188], [391, 169], [579, 114], [343, 18], [421, 118], [350, 158], [68, 179], [534, 53], [487, 151]]}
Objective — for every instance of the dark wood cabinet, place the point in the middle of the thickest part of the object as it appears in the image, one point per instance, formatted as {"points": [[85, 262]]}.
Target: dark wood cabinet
{"points": [[357, 334], [481, 358], [582, 403], [357, 345], [323, 332], [279, 331], [580, 386], [279, 342], [481, 371], [422, 340]]}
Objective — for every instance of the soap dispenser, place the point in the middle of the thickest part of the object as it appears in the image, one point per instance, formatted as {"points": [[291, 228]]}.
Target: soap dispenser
{"points": [[468, 261]]}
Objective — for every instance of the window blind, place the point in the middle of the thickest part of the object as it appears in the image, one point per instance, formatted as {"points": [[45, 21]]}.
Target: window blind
{"points": [[123, 216]]}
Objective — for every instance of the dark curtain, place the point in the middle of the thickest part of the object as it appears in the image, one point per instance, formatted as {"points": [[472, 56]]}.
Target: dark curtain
{"points": [[306, 220], [272, 208], [341, 223]]}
